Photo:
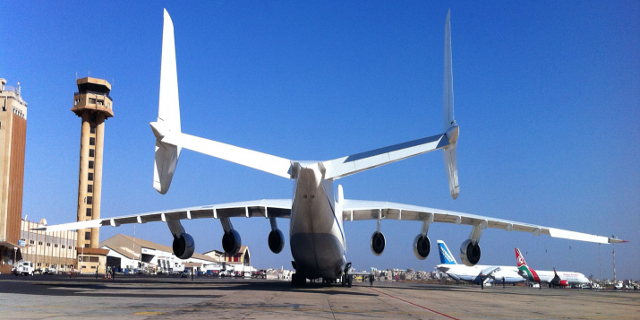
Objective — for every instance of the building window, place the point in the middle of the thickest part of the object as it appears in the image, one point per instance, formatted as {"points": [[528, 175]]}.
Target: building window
{"points": [[48, 244], [91, 163], [93, 267], [87, 235], [89, 188], [39, 243], [31, 242], [88, 212], [92, 141], [93, 129], [55, 245], [89, 200], [63, 246], [92, 153], [93, 115], [90, 176], [92, 101], [86, 245]]}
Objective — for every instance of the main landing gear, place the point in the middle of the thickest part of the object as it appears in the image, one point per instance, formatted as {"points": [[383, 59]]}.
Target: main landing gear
{"points": [[347, 279]]}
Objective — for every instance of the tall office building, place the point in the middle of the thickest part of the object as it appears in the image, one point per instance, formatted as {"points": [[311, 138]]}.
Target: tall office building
{"points": [[93, 104], [13, 134]]}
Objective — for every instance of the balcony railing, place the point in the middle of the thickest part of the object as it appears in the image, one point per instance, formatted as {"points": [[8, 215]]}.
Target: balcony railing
{"points": [[94, 92]]}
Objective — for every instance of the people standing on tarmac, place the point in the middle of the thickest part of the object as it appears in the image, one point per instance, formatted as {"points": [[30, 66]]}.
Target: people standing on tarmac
{"points": [[503, 284]]}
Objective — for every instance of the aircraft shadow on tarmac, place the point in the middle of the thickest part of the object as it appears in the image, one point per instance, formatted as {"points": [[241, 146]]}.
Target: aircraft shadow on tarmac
{"points": [[158, 288]]}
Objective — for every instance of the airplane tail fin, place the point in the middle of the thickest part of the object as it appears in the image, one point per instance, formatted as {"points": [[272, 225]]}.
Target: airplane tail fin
{"points": [[168, 123], [345, 166], [445, 255], [448, 121], [520, 258]]}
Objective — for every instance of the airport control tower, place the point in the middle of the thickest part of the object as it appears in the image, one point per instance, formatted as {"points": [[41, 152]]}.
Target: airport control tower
{"points": [[93, 104]]}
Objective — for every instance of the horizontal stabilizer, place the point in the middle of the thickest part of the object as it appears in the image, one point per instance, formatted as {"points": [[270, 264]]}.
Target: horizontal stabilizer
{"points": [[345, 166], [249, 158]]}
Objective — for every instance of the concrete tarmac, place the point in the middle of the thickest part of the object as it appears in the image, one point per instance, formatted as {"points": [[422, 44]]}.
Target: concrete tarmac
{"points": [[158, 297]]}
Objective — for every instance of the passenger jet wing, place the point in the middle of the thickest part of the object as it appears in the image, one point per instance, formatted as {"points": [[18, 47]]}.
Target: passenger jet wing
{"points": [[375, 210], [279, 208]]}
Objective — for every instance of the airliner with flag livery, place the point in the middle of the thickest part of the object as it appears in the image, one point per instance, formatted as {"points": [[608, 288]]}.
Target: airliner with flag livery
{"points": [[317, 208], [477, 274], [552, 278]]}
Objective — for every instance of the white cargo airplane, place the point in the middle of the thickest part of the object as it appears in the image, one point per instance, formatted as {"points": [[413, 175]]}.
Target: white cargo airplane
{"points": [[316, 232], [477, 274]]}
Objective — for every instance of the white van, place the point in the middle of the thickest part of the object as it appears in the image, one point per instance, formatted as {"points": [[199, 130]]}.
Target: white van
{"points": [[24, 268]]}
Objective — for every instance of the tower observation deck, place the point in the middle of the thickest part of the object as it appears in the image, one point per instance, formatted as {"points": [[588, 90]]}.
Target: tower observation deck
{"points": [[93, 104]]}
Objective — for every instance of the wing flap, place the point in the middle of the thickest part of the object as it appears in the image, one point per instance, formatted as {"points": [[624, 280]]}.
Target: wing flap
{"points": [[370, 210], [279, 208]]}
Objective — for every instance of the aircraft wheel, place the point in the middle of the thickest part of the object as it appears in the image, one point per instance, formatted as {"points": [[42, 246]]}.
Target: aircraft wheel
{"points": [[349, 281]]}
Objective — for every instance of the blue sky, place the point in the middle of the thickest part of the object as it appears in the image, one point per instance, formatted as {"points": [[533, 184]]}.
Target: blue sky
{"points": [[547, 97]]}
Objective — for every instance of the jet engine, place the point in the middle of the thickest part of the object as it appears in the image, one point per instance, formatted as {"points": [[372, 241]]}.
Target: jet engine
{"points": [[470, 253], [421, 247], [183, 246], [378, 243], [231, 242], [276, 241]]}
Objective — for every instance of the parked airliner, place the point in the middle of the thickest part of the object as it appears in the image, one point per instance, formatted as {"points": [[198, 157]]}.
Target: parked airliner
{"points": [[552, 278], [317, 209], [477, 274]]}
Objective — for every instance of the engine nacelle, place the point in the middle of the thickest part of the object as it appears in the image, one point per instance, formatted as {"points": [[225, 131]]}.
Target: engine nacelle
{"points": [[470, 253], [378, 242], [276, 241], [231, 242], [183, 246], [421, 247]]}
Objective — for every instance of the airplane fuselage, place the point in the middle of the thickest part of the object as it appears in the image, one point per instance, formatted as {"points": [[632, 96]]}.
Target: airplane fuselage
{"points": [[316, 233], [471, 273], [572, 278]]}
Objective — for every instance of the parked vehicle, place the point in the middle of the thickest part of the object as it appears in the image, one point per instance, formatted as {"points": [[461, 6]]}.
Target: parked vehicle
{"points": [[186, 273], [24, 268]]}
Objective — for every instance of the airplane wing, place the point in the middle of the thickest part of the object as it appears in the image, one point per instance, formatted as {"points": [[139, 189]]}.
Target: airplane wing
{"points": [[374, 210], [279, 208], [489, 271]]}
